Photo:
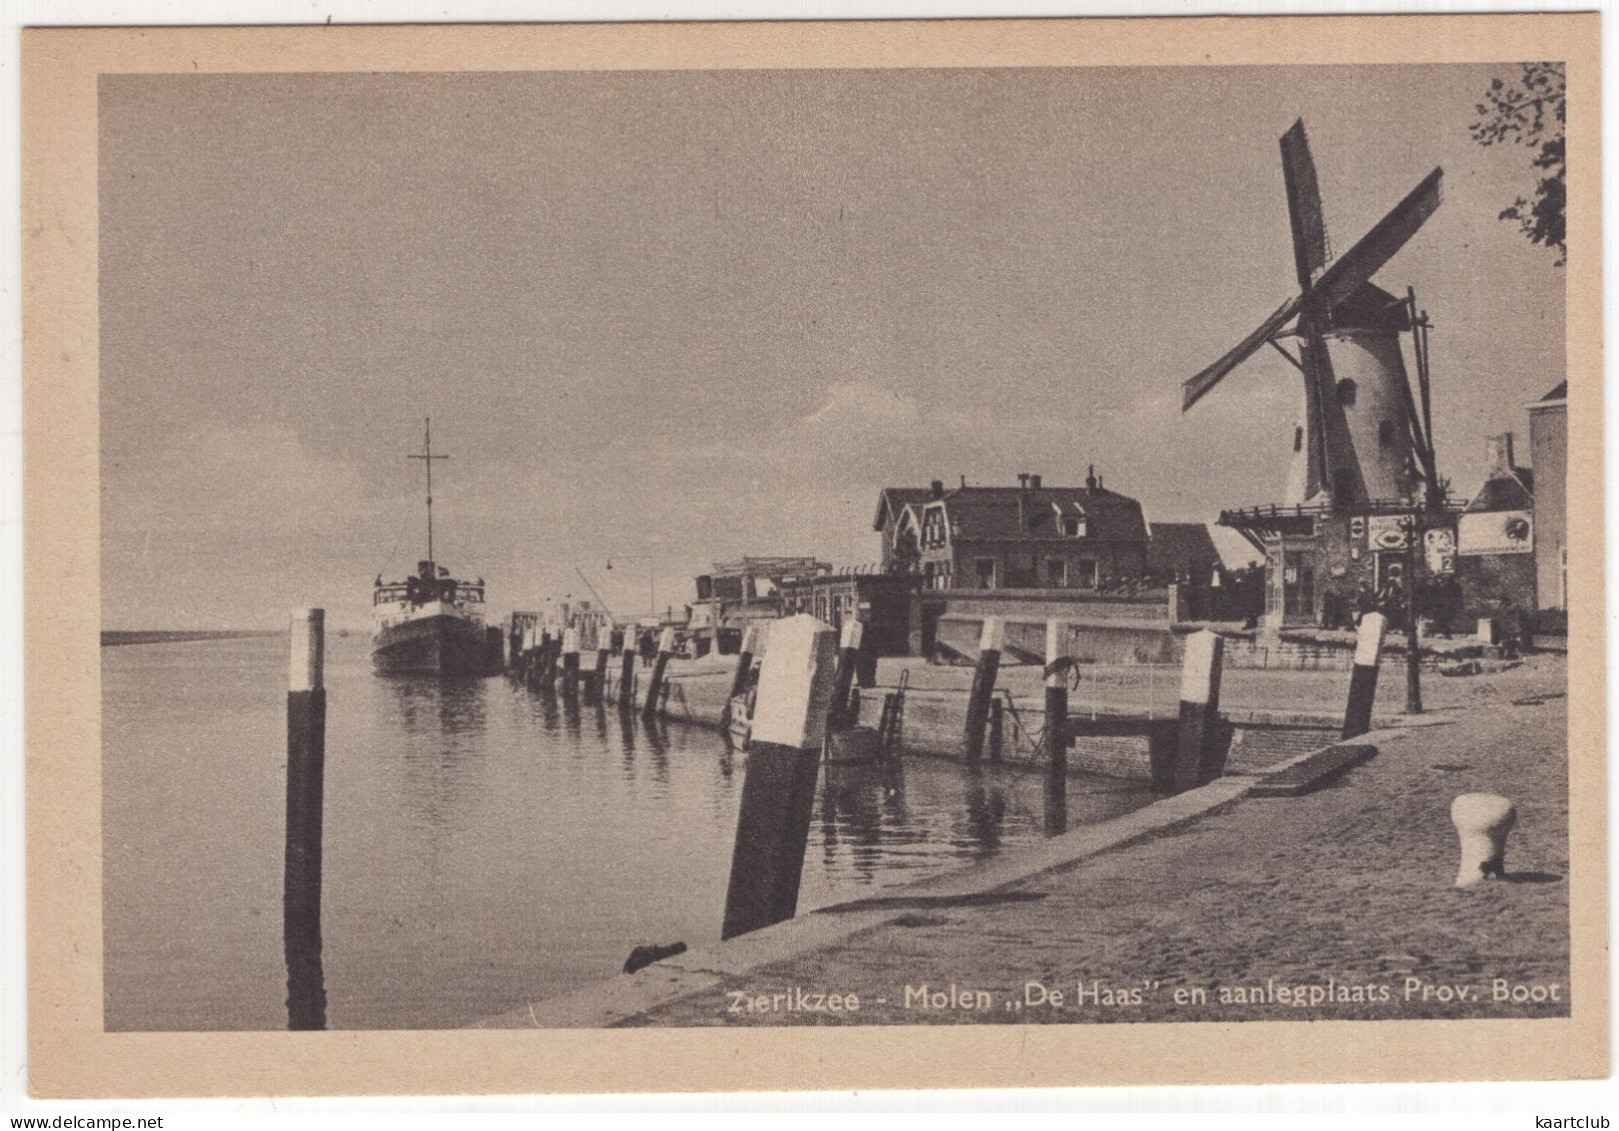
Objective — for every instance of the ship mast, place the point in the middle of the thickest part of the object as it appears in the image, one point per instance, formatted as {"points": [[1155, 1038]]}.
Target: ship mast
{"points": [[427, 457]]}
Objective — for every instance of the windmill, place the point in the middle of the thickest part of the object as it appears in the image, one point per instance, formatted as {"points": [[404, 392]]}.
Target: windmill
{"points": [[1361, 439]]}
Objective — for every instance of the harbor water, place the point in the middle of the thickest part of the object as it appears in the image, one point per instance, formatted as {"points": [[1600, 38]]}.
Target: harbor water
{"points": [[484, 844]]}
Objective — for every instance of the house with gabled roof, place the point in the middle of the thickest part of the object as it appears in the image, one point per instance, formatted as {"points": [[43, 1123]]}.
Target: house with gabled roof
{"points": [[1030, 536]]}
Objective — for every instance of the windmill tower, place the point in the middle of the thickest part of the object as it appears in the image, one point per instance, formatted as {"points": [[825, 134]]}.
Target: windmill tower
{"points": [[1362, 445], [1361, 438]]}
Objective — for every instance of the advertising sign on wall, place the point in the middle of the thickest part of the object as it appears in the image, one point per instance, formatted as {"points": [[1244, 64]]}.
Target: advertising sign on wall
{"points": [[1495, 532], [1387, 531], [1439, 550]]}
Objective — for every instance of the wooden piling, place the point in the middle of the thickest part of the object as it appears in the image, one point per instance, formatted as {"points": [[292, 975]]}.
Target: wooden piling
{"points": [[1056, 732], [1196, 749], [598, 678], [778, 788], [654, 688], [306, 774], [570, 661], [744, 662], [983, 689], [1363, 676], [626, 673]]}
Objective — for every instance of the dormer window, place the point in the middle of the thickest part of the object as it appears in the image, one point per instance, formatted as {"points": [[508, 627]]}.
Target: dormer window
{"points": [[1071, 521]]}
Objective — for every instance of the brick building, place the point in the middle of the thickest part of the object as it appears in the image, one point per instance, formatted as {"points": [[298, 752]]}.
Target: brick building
{"points": [[1495, 538], [1548, 452]]}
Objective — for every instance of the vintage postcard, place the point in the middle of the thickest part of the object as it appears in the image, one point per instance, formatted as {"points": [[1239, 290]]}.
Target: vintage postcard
{"points": [[848, 555]]}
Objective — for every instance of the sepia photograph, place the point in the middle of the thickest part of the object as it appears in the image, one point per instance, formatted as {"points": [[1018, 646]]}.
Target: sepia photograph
{"points": [[841, 545]]}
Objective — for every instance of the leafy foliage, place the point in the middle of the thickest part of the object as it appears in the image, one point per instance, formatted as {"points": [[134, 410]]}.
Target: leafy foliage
{"points": [[1530, 111]]}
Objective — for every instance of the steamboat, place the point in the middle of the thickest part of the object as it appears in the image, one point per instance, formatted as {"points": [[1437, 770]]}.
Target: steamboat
{"points": [[431, 622]]}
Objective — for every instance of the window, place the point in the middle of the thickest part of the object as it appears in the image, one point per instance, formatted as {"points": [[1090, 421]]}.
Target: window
{"points": [[1346, 393], [1038, 520], [1072, 521], [1385, 433], [1057, 573], [1020, 572], [933, 535], [1298, 439], [1084, 574], [1298, 585], [984, 573]]}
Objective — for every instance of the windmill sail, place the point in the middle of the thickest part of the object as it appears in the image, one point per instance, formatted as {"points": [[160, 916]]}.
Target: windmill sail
{"points": [[1338, 281], [1195, 389], [1377, 246], [1303, 205]]}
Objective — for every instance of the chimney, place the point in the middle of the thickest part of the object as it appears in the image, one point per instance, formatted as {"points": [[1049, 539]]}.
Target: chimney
{"points": [[964, 482], [1023, 480], [1099, 486], [1090, 478], [1034, 482], [937, 488], [1498, 454]]}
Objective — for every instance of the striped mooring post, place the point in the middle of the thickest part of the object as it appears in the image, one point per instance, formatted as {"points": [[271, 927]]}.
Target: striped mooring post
{"points": [[570, 661], [848, 657], [626, 673], [598, 678], [744, 661], [1363, 676], [306, 776], [778, 787], [983, 690], [654, 687], [1197, 744]]}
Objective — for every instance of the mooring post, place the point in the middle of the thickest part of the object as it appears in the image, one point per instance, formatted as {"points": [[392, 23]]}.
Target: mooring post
{"points": [[626, 673], [553, 656], [525, 653], [778, 786], [306, 775], [1482, 822], [1056, 736], [1363, 676], [989, 665], [1196, 747], [848, 657], [744, 662], [570, 661], [654, 687], [541, 656], [598, 680]]}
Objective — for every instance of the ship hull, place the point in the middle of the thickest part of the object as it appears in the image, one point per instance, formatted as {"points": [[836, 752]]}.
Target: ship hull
{"points": [[435, 645]]}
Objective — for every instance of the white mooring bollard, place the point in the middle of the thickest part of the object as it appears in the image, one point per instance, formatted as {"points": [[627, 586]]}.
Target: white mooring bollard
{"points": [[1482, 822]]}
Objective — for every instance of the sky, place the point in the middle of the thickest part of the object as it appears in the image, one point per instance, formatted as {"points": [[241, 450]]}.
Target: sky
{"points": [[665, 319]]}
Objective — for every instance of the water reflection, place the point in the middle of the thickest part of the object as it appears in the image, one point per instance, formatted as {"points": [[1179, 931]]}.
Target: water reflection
{"points": [[1056, 804], [545, 700], [440, 745], [432, 703], [477, 855], [657, 740], [626, 738], [986, 811]]}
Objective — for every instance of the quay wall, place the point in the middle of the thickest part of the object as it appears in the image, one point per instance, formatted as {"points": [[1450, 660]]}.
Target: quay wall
{"points": [[933, 723]]}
